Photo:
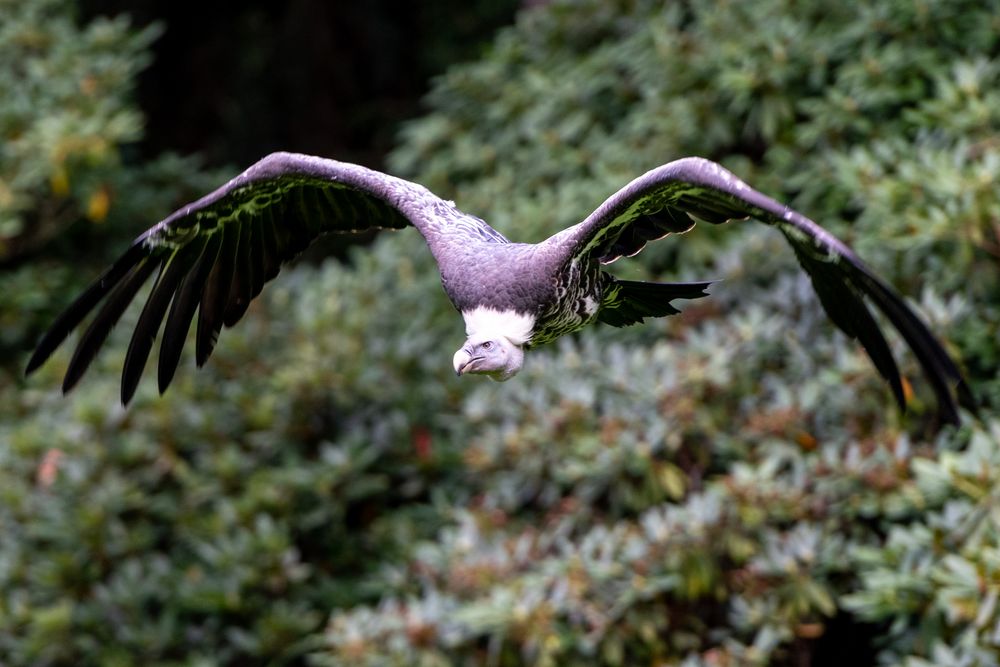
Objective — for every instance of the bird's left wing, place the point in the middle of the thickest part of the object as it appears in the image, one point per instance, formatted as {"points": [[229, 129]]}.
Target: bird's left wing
{"points": [[215, 255], [667, 200]]}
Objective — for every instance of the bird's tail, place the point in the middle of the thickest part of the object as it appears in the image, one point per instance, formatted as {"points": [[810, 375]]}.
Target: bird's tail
{"points": [[628, 301]]}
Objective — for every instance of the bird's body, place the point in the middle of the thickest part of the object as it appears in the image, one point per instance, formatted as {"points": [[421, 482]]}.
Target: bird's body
{"points": [[215, 255], [522, 281]]}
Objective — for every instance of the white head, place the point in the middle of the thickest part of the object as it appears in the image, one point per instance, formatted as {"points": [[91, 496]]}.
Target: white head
{"points": [[495, 343]]}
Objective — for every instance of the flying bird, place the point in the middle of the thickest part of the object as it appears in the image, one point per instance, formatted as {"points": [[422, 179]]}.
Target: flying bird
{"points": [[214, 255]]}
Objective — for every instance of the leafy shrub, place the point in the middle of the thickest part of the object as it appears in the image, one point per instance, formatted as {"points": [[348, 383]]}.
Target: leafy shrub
{"points": [[729, 486], [688, 492], [64, 183]]}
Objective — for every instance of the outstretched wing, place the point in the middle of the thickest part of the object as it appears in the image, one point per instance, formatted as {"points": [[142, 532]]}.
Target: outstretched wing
{"points": [[667, 199], [215, 255]]}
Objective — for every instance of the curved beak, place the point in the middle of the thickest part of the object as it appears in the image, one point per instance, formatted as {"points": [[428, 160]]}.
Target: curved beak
{"points": [[464, 361]]}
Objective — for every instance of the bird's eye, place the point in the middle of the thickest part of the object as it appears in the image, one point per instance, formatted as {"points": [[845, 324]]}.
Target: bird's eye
{"points": [[488, 345]]}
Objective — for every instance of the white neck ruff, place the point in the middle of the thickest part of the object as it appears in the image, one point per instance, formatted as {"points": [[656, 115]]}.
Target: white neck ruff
{"points": [[515, 327]]}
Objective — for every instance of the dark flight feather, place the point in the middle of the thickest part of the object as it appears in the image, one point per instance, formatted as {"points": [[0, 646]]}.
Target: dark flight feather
{"points": [[111, 311], [845, 307], [256, 262], [182, 308], [215, 295], [83, 304], [271, 262], [173, 272], [942, 372], [242, 287]]}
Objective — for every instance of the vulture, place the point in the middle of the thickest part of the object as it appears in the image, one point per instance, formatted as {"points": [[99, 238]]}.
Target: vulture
{"points": [[214, 255]]}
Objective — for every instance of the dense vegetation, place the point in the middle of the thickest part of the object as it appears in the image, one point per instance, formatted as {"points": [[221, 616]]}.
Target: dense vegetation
{"points": [[729, 486]]}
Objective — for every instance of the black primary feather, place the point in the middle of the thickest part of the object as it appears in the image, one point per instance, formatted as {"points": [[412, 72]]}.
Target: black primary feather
{"points": [[182, 309], [111, 311], [242, 286], [848, 311], [83, 304], [173, 272], [215, 295]]}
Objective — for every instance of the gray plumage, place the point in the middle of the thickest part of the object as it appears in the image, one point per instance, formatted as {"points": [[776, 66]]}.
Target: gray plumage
{"points": [[214, 256]]}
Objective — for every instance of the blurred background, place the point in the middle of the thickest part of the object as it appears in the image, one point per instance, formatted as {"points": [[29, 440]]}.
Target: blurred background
{"points": [[733, 485]]}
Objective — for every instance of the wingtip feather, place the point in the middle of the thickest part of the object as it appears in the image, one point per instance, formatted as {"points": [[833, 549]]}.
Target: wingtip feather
{"points": [[151, 318], [182, 309], [75, 313], [97, 331]]}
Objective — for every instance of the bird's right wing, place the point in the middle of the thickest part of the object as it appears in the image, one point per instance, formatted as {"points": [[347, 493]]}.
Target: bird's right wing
{"points": [[668, 199], [215, 255]]}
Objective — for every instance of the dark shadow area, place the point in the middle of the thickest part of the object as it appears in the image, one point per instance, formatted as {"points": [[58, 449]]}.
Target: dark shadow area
{"points": [[234, 81]]}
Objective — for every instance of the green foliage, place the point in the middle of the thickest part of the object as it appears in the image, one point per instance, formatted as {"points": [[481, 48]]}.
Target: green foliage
{"points": [[695, 503], [225, 519], [70, 112], [64, 183], [729, 486]]}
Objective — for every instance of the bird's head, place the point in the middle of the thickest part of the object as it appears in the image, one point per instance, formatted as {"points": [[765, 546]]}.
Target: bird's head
{"points": [[494, 356], [494, 344]]}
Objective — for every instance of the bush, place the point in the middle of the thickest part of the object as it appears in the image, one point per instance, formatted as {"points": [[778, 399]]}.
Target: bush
{"points": [[65, 182], [729, 486]]}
